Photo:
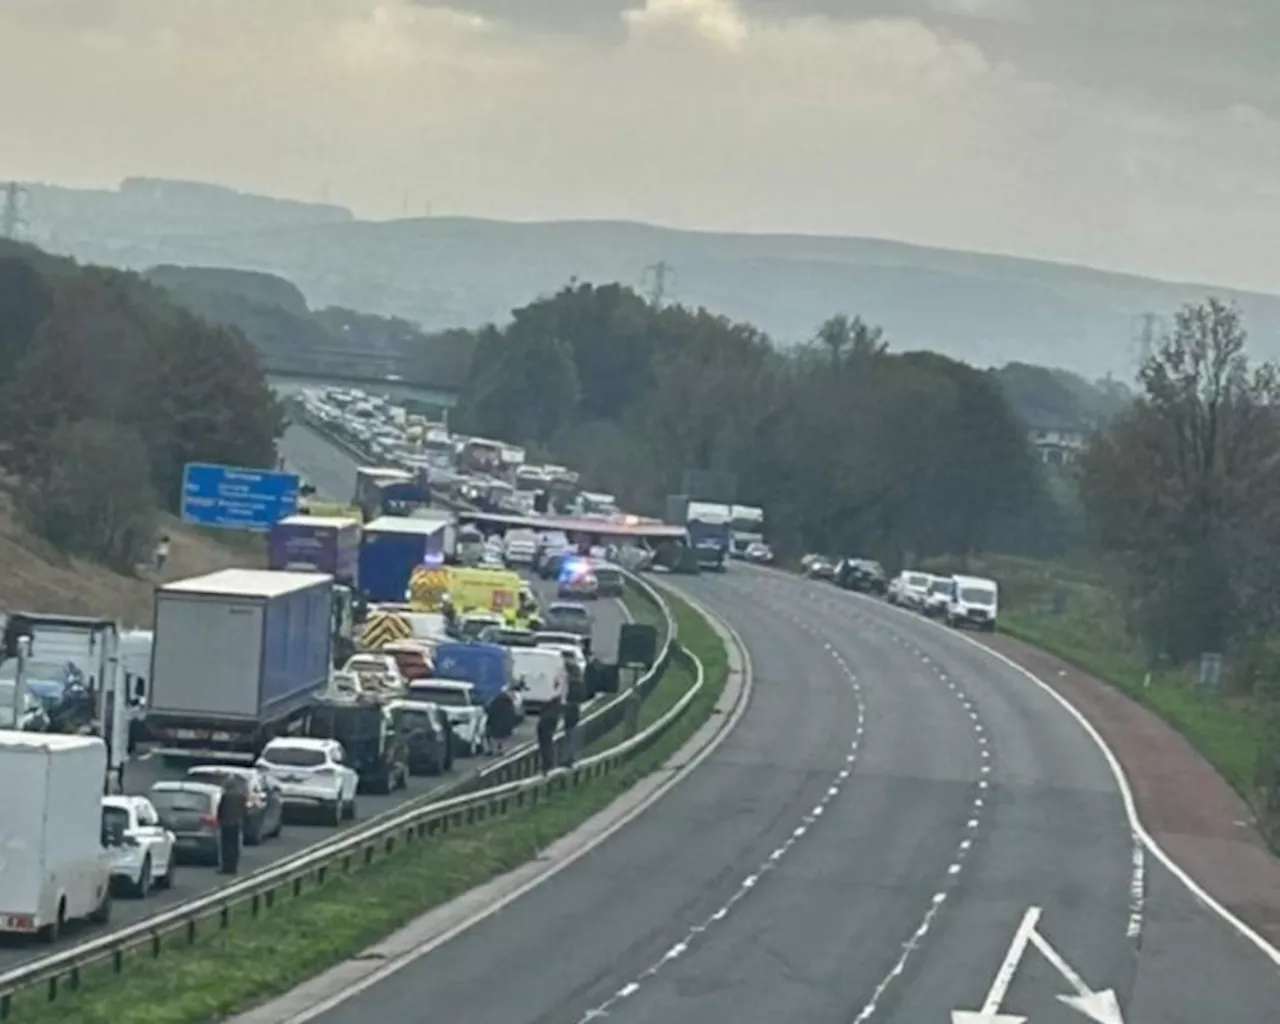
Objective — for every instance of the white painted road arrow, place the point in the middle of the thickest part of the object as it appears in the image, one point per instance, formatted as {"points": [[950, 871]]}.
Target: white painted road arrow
{"points": [[990, 1012], [1100, 1007]]}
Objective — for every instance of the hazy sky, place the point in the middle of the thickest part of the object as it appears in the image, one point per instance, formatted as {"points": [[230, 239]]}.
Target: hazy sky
{"points": [[1137, 134]]}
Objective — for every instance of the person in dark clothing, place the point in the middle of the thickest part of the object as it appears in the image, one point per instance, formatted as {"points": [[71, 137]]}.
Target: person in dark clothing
{"points": [[501, 720], [576, 693], [231, 814], [548, 719]]}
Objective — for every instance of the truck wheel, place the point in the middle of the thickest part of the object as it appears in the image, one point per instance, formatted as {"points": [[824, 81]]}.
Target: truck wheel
{"points": [[334, 814], [52, 932], [349, 812]]}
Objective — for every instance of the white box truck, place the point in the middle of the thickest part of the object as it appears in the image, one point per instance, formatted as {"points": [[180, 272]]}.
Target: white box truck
{"points": [[53, 866], [238, 657]]}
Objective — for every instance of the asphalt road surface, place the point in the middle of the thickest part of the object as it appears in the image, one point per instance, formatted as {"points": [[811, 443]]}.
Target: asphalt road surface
{"points": [[328, 468], [867, 846]]}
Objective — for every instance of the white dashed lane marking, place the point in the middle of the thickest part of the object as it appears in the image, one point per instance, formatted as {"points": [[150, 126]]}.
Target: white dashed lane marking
{"points": [[770, 862], [954, 869]]}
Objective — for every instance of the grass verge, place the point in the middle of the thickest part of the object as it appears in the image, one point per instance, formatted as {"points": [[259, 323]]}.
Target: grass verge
{"points": [[1071, 614], [257, 958], [696, 634]]}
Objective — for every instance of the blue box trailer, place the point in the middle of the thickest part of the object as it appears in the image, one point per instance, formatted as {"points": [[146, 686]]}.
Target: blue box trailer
{"points": [[391, 548], [486, 666], [237, 657]]}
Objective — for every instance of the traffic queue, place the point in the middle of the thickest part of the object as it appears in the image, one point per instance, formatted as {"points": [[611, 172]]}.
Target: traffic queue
{"points": [[270, 692], [959, 600]]}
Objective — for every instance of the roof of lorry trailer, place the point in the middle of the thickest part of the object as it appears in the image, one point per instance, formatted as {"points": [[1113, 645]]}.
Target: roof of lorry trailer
{"points": [[247, 583]]}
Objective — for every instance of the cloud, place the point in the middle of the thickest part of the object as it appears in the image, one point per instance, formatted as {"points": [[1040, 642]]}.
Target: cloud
{"points": [[704, 113], [995, 10]]}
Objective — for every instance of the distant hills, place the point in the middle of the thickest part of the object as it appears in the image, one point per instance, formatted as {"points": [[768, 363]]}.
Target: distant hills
{"points": [[459, 272], [295, 339]]}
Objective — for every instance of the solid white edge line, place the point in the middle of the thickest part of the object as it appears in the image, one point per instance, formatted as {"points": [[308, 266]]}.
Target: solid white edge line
{"points": [[1122, 782], [1131, 808], [397, 964]]}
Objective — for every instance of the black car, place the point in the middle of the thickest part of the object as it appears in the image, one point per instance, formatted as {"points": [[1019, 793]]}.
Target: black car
{"points": [[426, 732], [863, 575], [374, 749]]}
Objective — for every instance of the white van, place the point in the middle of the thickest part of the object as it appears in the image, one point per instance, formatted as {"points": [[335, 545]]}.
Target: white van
{"points": [[543, 673], [975, 602], [53, 866]]}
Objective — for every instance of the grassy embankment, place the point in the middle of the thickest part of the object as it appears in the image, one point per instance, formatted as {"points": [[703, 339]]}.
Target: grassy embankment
{"points": [[37, 577], [255, 959], [1070, 612]]}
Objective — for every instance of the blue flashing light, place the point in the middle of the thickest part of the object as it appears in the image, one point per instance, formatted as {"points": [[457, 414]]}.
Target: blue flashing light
{"points": [[572, 569]]}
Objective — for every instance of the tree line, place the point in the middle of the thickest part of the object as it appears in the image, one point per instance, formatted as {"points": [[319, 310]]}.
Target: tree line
{"points": [[852, 448], [107, 390]]}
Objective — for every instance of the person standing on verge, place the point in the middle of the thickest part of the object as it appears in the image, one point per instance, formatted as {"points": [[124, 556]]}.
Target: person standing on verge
{"points": [[548, 719], [576, 693], [231, 813], [162, 553]]}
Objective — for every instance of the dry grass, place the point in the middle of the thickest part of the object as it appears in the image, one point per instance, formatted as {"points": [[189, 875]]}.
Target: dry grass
{"points": [[36, 577]]}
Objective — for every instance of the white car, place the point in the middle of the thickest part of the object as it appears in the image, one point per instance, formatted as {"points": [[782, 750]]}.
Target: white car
{"points": [[467, 716], [312, 773], [377, 665], [521, 548], [569, 644], [910, 589], [141, 848], [939, 597]]}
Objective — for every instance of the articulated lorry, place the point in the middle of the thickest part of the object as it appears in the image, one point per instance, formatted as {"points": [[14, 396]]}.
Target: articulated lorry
{"points": [[329, 545], [710, 529], [392, 548], [238, 657]]}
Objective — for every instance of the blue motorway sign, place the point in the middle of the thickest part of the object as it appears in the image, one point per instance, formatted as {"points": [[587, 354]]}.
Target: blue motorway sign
{"points": [[247, 499]]}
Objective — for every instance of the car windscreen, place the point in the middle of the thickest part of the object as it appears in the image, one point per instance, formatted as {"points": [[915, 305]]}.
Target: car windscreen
{"points": [[299, 757], [213, 776], [180, 800], [408, 721], [443, 696], [367, 665], [940, 587], [115, 821], [978, 595], [917, 579], [48, 671], [568, 613]]}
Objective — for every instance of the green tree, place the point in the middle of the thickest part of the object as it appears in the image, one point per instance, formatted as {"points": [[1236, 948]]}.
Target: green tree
{"points": [[1183, 488], [91, 493]]}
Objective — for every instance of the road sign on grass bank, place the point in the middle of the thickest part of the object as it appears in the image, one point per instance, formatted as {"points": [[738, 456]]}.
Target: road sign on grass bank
{"points": [[237, 498]]}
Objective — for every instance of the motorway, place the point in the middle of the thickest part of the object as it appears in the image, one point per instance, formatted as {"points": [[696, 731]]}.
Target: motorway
{"points": [[333, 474], [901, 827]]}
